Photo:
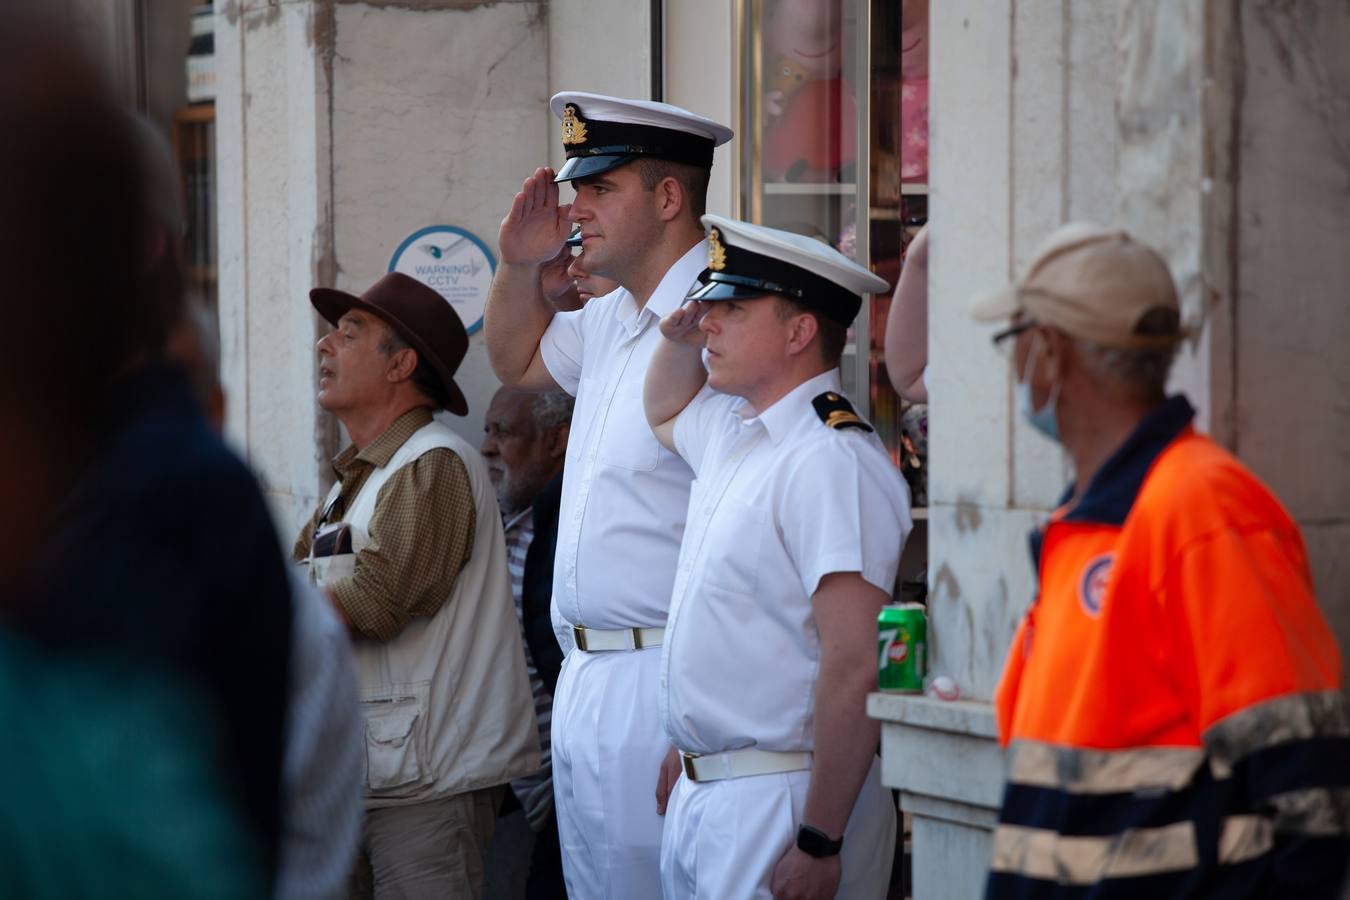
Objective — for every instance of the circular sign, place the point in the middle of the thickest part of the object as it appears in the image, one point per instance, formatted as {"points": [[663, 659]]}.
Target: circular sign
{"points": [[454, 263]]}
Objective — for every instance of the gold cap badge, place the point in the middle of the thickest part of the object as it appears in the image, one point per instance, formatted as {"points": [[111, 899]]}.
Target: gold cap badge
{"points": [[717, 254], [573, 129]]}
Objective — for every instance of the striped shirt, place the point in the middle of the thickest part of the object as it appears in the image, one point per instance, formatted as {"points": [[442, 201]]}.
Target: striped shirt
{"points": [[535, 792]]}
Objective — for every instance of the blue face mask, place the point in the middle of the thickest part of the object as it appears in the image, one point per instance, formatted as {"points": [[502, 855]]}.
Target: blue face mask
{"points": [[1043, 419]]}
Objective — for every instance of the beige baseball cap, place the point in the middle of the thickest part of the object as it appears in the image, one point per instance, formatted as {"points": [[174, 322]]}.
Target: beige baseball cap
{"points": [[1094, 283]]}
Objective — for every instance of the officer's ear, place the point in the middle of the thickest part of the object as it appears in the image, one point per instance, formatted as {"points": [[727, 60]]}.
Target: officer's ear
{"points": [[802, 330], [670, 198]]}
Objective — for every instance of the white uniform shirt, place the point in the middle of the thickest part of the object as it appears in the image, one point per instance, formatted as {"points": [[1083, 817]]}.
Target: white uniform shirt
{"points": [[624, 496], [780, 501]]}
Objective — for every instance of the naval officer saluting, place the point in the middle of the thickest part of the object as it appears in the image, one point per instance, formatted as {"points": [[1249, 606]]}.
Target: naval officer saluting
{"points": [[793, 540], [640, 170]]}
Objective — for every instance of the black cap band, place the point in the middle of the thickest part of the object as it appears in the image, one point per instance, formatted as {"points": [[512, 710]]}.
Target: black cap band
{"points": [[627, 139], [748, 274]]}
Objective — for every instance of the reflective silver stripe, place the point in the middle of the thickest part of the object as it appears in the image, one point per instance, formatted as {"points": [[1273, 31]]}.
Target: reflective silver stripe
{"points": [[1244, 838], [1064, 859], [1313, 811], [1293, 717], [1084, 771]]}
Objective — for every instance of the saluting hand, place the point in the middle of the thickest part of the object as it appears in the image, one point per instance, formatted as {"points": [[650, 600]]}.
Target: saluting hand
{"points": [[537, 224], [681, 326]]}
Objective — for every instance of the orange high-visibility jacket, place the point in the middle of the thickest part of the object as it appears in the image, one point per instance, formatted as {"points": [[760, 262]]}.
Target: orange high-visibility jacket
{"points": [[1172, 701]]}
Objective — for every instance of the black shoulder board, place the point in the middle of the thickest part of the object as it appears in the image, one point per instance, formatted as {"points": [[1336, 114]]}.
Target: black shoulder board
{"points": [[836, 412]]}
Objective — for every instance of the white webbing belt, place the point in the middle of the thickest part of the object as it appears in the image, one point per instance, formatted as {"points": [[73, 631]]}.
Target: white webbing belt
{"points": [[599, 640], [742, 763]]}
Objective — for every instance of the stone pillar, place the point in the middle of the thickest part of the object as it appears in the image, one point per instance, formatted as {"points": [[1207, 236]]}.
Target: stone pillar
{"points": [[343, 128], [1286, 123], [1217, 131]]}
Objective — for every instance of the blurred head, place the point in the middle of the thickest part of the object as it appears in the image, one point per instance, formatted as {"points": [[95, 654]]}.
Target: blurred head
{"points": [[524, 443], [589, 285], [77, 247], [79, 234]]}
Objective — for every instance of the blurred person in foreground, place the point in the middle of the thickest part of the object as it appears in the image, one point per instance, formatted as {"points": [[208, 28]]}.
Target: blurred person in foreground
{"points": [[144, 607], [524, 443], [322, 770], [408, 548], [1172, 702]]}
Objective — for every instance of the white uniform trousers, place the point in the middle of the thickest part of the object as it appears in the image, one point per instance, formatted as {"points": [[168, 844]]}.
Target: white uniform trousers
{"points": [[724, 838], [608, 744]]}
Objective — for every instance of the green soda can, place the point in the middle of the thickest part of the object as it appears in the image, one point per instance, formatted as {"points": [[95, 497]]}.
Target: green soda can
{"points": [[902, 640]]}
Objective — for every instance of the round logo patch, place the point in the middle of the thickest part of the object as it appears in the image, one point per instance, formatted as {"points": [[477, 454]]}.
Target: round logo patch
{"points": [[1092, 586]]}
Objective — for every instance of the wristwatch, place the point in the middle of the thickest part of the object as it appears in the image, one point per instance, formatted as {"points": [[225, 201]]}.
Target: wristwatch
{"points": [[814, 842]]}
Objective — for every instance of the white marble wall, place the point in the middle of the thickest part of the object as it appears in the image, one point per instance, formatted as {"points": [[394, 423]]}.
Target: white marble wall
{"points": [[701, 75], [1218, 132], [1290, 260], [1126, 112], [274, 206], [1022, 106]]}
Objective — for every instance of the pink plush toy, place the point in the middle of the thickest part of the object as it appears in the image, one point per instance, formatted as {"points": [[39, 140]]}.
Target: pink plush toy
{"points": [[810, 130]]}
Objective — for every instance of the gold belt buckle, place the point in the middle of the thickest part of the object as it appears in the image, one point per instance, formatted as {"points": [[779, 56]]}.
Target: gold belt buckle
{"points": [[687, 761], [579, 637]]}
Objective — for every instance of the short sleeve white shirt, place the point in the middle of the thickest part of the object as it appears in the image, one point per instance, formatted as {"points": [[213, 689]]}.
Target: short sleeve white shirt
{"points": [[780, 500], [624, 496]]}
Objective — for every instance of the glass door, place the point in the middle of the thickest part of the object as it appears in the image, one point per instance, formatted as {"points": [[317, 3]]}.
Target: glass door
{"points": [[833, 149]]}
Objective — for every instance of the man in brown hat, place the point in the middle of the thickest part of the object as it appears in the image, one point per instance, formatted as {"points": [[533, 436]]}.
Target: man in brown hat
{"points": [[408, 546]]}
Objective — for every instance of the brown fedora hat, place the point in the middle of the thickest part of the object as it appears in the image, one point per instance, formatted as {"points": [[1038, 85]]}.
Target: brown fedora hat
{"points": [[417, 314]]}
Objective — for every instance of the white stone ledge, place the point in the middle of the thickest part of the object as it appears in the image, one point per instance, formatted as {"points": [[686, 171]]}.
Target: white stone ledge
{"points": [[952, 811], [956, 716], [941, 750]]}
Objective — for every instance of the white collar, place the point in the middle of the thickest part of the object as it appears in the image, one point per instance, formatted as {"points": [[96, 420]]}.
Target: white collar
{"points": [[670, 292], [790, 410]]}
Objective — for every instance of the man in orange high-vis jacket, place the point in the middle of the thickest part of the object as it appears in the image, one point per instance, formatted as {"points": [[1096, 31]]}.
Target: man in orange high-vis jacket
{"points": [[1171, 706]]}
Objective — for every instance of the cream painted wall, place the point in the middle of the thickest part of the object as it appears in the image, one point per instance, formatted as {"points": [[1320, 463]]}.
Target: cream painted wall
{"points": [[601, 46], [700, 75], [1124, 113], [343, 128]]}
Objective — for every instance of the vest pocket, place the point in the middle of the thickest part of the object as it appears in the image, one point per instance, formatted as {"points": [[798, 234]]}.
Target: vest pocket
{"points": [[396, 735]]}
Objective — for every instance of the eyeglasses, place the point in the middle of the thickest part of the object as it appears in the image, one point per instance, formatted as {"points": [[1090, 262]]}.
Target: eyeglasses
{"points": [[1000, 339]]}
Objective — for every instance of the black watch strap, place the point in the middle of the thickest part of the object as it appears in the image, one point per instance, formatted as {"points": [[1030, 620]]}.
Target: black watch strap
{"points": [[814, 842]]}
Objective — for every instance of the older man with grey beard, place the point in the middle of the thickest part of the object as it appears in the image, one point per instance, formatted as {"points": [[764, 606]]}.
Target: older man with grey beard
{"points": [[525, 440]]}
